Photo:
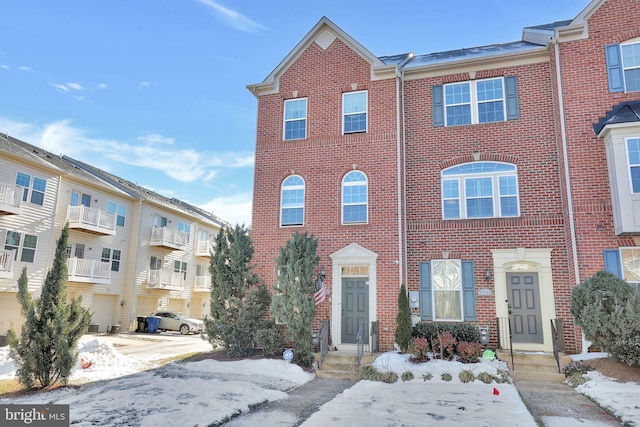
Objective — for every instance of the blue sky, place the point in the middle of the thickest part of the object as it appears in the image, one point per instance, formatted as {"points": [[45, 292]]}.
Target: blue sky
{"points": [[155, 90]]}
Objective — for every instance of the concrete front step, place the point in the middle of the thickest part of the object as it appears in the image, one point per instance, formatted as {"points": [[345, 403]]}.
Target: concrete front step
{"points": [[534, 366], [339, 365]]}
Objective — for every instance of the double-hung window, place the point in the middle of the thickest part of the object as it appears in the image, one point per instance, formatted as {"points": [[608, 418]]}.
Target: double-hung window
{"points": [[477, 101], [112, 255], [354, 112], [481, 101], [292, 201], [633, 157], [295, 119], [623, 66], [24, 245], [120, 211], [625, 264], [354, 198], [180, 267], [185, 228], [447, 290], [33, 190], [480, 190]]}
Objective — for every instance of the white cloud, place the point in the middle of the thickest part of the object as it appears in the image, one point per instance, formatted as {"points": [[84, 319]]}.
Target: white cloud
{"points": [[156, 152], [4, 67], [144, 85], [233, 18], [25, 68], [67, 87], [102, 85], [235, 209], [156, 139]]}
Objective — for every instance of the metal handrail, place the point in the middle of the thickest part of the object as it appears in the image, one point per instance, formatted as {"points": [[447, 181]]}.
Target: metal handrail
{"points": [[557, 333], [360, 343], [500, 321], [324, 341]]}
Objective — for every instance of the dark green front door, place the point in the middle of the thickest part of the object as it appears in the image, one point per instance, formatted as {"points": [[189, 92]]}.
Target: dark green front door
{"points": [[355, 309]]}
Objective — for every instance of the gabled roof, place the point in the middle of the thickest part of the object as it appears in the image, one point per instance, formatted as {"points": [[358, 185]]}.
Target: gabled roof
{"points": [[55, 163], [323, 33], [149, 195], [625, 112]]}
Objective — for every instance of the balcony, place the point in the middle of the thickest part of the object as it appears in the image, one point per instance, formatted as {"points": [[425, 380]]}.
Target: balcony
{"points": [[88, 271], [91, 220], [10, 199], [168, 238], [165, 279], [6, 264], [204, 248], [202, 284]]}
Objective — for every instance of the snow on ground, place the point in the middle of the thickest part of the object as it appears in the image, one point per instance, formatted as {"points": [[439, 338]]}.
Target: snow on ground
{"points": [[420, 402], [209, 391]]}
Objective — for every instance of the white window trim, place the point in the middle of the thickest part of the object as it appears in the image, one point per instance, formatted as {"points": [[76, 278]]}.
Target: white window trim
{"points": [[285, 120], [434, 290], [366, 202], [21, 247], [473, 93], [304, 195], [629, 165], [366, 111], [624, 79], [116, 211], [495, 187], [622, 264]]}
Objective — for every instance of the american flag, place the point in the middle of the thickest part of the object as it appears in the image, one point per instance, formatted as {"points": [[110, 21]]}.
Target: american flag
{"points": [[320, 290]]}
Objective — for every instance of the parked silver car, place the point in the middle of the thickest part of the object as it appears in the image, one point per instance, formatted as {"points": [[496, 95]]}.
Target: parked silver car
{"points": [[176, 321]]}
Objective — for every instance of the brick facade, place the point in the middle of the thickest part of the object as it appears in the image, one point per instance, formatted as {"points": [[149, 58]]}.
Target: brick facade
{"points": [[403, 153]]}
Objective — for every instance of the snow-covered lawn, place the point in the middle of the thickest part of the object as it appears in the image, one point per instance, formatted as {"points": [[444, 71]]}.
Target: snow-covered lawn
{"points": [[121, 390]]}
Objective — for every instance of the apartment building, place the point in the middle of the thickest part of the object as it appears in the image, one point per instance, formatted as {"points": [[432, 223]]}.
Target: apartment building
{"points": [[130, 251], [474, 175]]}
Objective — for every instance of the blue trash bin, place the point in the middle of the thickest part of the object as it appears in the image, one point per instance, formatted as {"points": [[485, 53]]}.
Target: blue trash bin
{"points": [[152, 324]]}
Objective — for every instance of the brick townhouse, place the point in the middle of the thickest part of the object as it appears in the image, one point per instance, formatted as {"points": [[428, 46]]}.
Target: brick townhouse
{"points": [[490, 180]]}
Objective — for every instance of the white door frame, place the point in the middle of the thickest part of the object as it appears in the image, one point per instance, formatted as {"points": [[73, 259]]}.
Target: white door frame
{"points": [[525, 260], [352, 254]]}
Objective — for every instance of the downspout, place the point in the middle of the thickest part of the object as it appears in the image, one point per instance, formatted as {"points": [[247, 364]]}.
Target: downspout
{"points": [[399, 165], [404, 181], [565, 153]]}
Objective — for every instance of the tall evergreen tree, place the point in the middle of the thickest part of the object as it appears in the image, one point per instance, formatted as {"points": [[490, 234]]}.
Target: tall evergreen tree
{"points": [[403, 320], [238, 300], [293, 303], [45, 352]]}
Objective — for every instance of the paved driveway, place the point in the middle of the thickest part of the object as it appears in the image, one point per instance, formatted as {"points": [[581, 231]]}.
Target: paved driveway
{"points": [[167, 344]]}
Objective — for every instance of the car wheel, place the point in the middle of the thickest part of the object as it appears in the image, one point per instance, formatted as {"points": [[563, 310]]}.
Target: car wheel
{"points": [[184, 329]]}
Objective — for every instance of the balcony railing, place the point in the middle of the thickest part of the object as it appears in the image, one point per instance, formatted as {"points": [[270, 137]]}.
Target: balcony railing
{"points": [[204, 248], [91, 220], [202, 284], [165, 279], [6, 264], [10, 199], [88, 271], [169, 238]]}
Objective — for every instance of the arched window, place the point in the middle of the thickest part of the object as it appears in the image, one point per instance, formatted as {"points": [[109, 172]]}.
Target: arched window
{"points": [[292, 201], [354, 198], [480, 190]]}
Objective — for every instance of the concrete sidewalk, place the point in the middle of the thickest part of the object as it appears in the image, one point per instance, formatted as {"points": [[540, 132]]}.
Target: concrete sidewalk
{"points": [[557, 404], [302, 402]]}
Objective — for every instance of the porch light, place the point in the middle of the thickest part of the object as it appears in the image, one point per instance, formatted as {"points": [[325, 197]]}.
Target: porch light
{"points": [[487, 275], [323, 273]]}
